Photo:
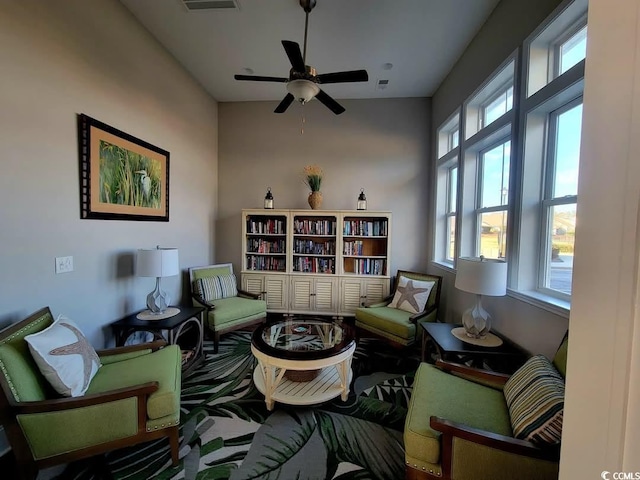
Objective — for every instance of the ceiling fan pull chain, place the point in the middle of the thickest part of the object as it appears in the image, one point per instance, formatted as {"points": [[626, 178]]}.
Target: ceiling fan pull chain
{"points": [[303, 119]]}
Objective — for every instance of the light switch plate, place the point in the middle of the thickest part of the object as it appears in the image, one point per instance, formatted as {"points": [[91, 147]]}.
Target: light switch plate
{"points": [[64, 264]]}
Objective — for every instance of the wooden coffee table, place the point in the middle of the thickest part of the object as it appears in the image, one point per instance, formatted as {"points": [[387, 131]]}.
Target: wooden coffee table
{"points": [[303, 345]]}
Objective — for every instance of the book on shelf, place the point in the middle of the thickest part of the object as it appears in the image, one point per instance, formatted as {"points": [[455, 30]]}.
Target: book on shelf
{"points": [[305, 246], [365, 228], [259, 263], [314, 265], [270, 226], [368, 266], [314, 227]]}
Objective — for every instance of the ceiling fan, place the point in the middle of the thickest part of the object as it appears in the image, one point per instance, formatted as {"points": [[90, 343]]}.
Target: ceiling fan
{"points": [[303, 82]]}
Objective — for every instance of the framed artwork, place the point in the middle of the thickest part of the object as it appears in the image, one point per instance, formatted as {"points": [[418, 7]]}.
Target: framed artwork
{"points": [[121, 176]]}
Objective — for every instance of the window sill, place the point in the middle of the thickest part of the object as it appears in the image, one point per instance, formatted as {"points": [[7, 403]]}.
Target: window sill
{"points": [[554, 305], [447, 267]]}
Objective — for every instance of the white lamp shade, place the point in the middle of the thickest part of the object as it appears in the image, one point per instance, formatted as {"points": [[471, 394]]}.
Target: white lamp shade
{"points": [[303, 90], [482, 276], [157, 262]]}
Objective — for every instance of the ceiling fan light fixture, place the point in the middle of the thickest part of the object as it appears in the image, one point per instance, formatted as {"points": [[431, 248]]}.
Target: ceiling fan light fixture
{"points": [[303, 90]]}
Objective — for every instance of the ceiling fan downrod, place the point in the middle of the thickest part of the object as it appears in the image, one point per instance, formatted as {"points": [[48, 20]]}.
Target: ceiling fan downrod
{"points": [[307, 6]]}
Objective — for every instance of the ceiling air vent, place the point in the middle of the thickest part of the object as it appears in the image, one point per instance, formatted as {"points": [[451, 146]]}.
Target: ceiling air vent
{"points": [[200, 5]]}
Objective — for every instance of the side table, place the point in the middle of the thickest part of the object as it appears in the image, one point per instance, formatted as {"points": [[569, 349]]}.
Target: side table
{"points": [[505, 358], [185, 329]]}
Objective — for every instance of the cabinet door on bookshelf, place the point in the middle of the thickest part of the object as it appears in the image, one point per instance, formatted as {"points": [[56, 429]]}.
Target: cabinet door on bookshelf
{"points": [[356, 292], [313, 294], [265, 247], [365, 245], [272, 288]]}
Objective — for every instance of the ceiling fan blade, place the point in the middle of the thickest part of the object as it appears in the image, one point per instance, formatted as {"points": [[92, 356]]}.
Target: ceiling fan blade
{"points": [[343, 77], [330, 103], [257, 78], [294, 54], [284, 104]]}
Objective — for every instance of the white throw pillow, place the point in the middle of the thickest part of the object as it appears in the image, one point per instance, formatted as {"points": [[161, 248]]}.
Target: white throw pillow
{"points": [[411, 295], [64, 356]]}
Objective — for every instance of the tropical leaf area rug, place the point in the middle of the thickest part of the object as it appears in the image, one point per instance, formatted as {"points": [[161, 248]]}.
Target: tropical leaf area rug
{"points": [[227, 432]]}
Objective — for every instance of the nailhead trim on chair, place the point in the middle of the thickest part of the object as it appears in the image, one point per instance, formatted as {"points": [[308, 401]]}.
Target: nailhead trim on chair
{"points": [[162, 425], [424, 469]]}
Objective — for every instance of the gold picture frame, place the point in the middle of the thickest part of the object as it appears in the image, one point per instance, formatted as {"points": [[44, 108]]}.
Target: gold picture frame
{"points": [[121, 176]]}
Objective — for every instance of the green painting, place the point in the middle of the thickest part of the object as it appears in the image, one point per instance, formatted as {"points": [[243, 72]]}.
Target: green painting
{"points": [[129, 178]]}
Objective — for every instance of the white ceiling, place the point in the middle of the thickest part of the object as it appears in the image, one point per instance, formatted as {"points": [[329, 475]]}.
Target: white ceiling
{"points": [[422, 39]]}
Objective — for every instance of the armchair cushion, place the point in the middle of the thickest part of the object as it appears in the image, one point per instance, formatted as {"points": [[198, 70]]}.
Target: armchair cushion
{"points": [[216, 287], [162, 366], [64, 356], [458, 400], [535, 397], [411, 295], [393, 321]]}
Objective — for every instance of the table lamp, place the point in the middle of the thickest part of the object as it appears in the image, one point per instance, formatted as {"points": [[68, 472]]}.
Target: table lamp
{"points": [[158, 262], [483, 277]]}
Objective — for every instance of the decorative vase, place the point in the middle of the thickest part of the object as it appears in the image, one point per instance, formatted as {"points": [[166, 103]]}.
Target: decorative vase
{"points": [[315, 200]]}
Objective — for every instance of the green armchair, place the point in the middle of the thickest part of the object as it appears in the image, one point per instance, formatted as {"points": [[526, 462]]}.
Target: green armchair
{"points": [[134, 397], [228, 307], [393, 322], [470, 424]]}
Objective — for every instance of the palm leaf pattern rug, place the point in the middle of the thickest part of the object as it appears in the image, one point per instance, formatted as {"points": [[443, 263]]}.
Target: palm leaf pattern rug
{"points": [[227, 433]]}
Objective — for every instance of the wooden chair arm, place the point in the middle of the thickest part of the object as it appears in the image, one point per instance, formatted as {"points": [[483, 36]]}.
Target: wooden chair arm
{"points": [[473, 373], [69, 403], [379, 303], [158, 344], [426, 312], [516, 446], [244, 293], [208, 305]]}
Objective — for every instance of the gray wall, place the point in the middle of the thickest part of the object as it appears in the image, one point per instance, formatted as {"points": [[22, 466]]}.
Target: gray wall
{"points": [[379, 145], [536, 329], [67, 57]]}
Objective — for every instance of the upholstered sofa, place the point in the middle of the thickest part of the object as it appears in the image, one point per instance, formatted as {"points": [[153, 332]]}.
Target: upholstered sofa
{"points": [[459, 424]]}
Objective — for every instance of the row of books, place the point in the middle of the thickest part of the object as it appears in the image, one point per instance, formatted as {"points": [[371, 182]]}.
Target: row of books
{"points": [[315, 248], [270, 226], [314, 227], [368, 266], [365, 228], [260, 245], [271, 264], [314, 265], [353, 248]]}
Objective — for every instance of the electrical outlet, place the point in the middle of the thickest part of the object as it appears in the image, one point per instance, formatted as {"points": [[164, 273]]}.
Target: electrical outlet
{"points": [[64, 264]]}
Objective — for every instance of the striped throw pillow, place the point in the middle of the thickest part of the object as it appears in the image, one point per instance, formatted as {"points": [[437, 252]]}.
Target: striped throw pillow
{"points": [[535, 397], [215, 288]]}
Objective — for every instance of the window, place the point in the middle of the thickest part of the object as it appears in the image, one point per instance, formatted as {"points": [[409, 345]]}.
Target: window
{"points": [[493, 204], [557, 46], [560, 199], [507, 170], [491, 102], [572, 51], [497, 106], [450, 214], [448, 135]]}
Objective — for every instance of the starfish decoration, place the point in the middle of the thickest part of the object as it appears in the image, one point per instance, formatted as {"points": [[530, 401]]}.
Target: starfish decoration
{"points": [[408, 294], [82, 348]]}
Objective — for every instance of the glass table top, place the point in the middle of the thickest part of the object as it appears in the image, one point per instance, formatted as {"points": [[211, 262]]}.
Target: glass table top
{"points": [[303, 338]]}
